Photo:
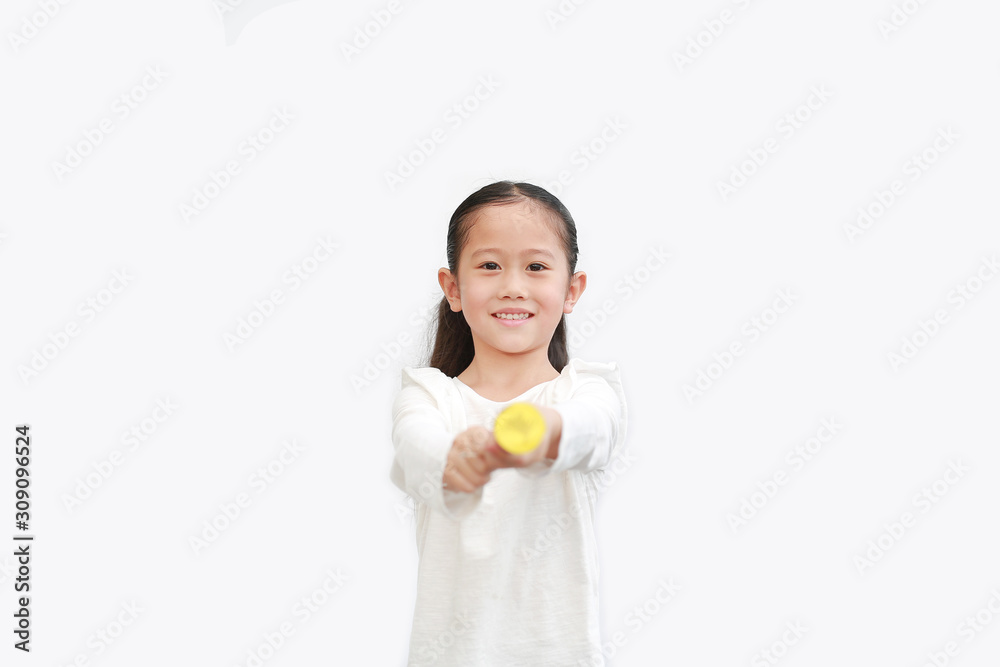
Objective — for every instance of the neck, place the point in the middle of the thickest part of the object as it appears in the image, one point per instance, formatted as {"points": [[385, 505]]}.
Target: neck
{"points": [[501, 372]]}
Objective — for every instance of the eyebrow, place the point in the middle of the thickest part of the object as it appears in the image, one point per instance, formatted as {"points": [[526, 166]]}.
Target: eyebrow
{"points": [[529, 251]]}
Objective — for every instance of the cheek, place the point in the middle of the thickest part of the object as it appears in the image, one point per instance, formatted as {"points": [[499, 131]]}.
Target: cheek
{"points": [[474, 296], [555, 297]]}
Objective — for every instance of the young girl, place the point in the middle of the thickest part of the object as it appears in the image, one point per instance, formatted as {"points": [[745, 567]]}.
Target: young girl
{"points": [[508, 566]]}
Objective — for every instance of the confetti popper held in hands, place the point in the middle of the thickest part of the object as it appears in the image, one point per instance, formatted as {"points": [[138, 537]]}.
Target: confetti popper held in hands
{"points": [[519, 428]]}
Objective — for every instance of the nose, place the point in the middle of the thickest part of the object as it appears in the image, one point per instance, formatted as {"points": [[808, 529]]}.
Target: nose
{"points": [[512, 285]]}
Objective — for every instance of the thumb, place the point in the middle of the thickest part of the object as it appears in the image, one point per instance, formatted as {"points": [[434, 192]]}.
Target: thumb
{"points": [[483, 438]]}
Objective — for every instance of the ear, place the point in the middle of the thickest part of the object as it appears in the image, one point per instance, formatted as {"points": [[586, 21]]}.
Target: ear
{"points": [[577, 284], [450, 288]]}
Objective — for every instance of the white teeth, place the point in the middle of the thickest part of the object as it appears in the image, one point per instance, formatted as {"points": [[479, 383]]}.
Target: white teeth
{"points": [[508, 316]]}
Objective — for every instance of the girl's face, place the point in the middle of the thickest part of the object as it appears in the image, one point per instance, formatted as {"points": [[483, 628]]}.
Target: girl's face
{"points": [[512, 262]]}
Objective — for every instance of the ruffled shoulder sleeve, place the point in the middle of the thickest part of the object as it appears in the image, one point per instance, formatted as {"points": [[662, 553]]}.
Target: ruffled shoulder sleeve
{"points": [[578, 371], [434, 383]]}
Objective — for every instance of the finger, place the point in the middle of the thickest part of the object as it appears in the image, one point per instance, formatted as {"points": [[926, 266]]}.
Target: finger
{"points": [[457, 460], [456, 476], [480, 440], [474, 461], [502, 453], [455, 481], [476, 473], [496, 457], [469, 467]]}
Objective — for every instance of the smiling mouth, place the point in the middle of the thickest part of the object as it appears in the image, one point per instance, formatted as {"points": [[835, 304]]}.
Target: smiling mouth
{"points": [[508, 316]]}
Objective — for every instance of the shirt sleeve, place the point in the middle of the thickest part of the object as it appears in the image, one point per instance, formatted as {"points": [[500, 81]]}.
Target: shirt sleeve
{"points": [[594, 419], [421, 440]]}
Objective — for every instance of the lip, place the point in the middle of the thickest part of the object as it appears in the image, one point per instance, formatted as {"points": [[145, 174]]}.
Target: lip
{"points": [[513, 323], [511, 311]]}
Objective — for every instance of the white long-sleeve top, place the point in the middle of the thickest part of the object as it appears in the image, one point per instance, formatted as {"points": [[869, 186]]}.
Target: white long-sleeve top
{"points": [[507, 575]]}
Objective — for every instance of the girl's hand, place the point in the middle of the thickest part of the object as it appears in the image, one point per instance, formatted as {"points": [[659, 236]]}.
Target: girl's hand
{"points": [[466, 469], [496, 456], [475, 454]]}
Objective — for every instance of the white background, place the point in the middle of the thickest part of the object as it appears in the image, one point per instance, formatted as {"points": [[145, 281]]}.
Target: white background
{"points": [[561, 76]]}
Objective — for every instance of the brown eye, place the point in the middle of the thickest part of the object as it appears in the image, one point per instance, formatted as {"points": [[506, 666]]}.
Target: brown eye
{"points": [[540, 266], [484, 264]]}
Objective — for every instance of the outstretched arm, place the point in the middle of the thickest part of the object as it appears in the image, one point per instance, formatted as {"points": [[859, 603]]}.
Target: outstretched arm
{"points": [[422, 444]]}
